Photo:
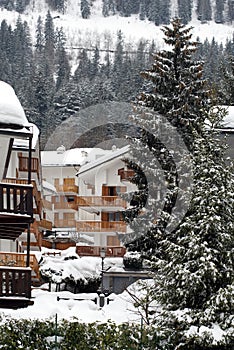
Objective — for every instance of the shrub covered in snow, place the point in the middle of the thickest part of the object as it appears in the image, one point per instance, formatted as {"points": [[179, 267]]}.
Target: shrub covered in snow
{"points": [[132, 260], [72, 273]]}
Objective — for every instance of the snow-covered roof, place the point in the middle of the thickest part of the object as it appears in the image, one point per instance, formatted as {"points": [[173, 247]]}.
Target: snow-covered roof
{"points": [[71, 157], [11, 112], [21, 143], [113, 154]]}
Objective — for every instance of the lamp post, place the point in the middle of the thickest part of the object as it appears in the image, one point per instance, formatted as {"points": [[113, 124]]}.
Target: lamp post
{"points": [[102, 255]]}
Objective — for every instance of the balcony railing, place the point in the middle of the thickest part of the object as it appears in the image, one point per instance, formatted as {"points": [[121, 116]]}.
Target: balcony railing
{"points": [[65, 205], [15, 282], [101, 201], [16, 199], [101, 226], [67, 188], [95, 251], [36, 193], [19, 260]]}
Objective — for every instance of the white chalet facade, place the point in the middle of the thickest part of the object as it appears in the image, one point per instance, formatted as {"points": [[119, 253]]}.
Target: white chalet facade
{"points": [[85, 199]]}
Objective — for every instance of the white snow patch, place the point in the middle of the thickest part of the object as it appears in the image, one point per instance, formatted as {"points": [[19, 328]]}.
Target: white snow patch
{"points": [[11, 111]]}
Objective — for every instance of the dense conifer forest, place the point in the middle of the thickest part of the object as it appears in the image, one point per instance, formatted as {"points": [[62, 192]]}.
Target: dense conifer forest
{"points": [[51, 89]]}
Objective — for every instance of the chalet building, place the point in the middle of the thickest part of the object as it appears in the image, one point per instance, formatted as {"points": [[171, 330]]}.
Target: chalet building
{"points": [[20, 200], [86, 200], [61, 191], [101, 183]]}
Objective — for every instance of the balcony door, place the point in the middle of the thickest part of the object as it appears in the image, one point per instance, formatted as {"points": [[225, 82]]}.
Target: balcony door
{"points": [[113, 190]]}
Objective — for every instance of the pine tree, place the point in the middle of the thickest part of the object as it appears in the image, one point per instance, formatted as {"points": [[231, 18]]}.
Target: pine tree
{"points": [[7, 4], [108, 7], [95, 64], [219, 11], [197, 274], [193, 261], [39, 35], [117, 67], [230, 10], [212, 56], [204, 10], [227, 83], [143, 10], [66, 102], [83, 68], [22, 56], [20, 5], [49, 35], [185, 10], [85, 9], [105, 8], [62, 61]]}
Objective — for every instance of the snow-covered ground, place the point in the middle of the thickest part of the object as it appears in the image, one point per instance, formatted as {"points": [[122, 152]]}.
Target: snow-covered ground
{"points": [[85, 307], [65, 304], [46, 306]]}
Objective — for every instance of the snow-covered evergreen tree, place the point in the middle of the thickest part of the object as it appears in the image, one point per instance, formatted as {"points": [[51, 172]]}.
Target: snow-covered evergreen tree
{"points": [[85, 8], [227, 84], [195, 280], [176, 92], [194, 261]]}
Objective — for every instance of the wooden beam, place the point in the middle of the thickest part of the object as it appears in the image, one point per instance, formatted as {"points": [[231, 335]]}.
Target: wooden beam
{"points": [[8, 157]]}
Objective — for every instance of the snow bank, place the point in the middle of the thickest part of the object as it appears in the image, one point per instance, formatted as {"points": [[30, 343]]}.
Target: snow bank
{"points": [[11, 111]]}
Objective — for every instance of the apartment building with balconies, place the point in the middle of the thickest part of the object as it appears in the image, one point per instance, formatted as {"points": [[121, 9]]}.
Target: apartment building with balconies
{"points": [[87, 192]]}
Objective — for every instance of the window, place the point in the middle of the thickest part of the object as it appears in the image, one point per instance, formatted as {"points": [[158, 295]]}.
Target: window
{"points": [[112, 216], [112, 190]]}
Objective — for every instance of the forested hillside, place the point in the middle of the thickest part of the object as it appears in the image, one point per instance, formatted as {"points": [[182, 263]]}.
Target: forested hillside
{"points": [[157, 11], [53, 86]]}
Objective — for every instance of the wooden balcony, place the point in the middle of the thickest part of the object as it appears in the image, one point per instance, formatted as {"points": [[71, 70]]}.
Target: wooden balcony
{"points": [[15, 287], [16, 209], [16, 199], [59, 243], [95, 251], [65, 223], [101, 201], [36, 193], [67, 188], [101, 226], [19, 260], [63, 205]]}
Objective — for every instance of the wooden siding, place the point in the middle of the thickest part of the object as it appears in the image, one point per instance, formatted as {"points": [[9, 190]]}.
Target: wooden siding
{"points": [[100, 226], [101, 201]]}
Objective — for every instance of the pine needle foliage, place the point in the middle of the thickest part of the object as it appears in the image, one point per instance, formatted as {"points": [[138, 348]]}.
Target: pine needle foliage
{"points": [[194, 262]]}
